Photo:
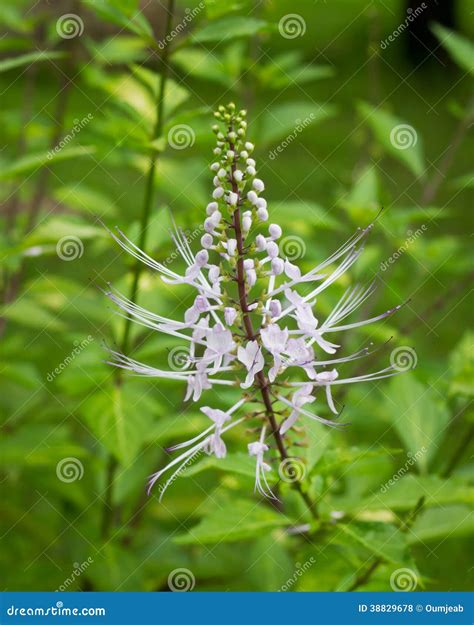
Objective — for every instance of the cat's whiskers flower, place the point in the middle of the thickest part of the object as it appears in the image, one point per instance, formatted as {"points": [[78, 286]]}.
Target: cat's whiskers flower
{"points": [[249, 326]]}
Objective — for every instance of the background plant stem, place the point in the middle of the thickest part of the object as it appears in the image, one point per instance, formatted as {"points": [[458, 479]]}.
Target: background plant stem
{"points": [[109, 511]]}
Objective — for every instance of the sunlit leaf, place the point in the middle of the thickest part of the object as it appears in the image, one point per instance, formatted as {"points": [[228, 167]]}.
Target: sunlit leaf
{"points": [[34, 162], [419, 416], [397, 137], [228, 28], [29, 59], [459, 47], [240, 519]]}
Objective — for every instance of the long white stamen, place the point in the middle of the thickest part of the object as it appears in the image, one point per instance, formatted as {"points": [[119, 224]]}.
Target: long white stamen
{"points": [[309, 414]]}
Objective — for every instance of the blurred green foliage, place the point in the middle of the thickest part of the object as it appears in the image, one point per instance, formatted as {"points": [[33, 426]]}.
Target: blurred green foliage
{"points": [[60, 401]]}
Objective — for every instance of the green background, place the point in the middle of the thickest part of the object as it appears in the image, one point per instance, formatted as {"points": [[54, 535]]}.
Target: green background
{"points": [[333, 177]]}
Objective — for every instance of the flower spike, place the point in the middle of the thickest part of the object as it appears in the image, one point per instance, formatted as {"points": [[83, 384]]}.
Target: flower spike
{"points": [[253, 324]]}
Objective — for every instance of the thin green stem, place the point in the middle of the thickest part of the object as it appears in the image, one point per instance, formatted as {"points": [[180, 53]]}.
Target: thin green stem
{"points": [[151, 174], [109, 512]]}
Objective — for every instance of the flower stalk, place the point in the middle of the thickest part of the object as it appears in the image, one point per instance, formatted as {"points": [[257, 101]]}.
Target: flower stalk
{"points": [[250, 320]]}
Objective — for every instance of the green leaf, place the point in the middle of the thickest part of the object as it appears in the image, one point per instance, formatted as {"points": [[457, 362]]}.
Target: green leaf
{"points": [[381, 539], [461, 367], [123, 14], [38, 445], [404, 493], [22, 373], [339, 459], [115, 50], [29, 59], [217, 8], [33, 162], [228, 28], [460, 48], [120, 417], [56, 228], [419, 417], [239, 519], [301, 216], [238, 462], [290, 121], [398, 138], [270, 565], [289, 68], [85, 199], [204, 64], [25, 311], [464, 182], [363, 197], [442, 523]]}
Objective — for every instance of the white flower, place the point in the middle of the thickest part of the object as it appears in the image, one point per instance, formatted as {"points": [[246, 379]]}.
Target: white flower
{"points": [[300, 398], [229, 315], [274, 231], [325, 378], [258, 449], [254, 321], [300, 355], [262, 214], [252, 197], [215, 444], [251, 356], [292, 271], [207, 241], [196, 385], [277, 266], [219, 343], [232, 198], [260, 242], [274, 339]]}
